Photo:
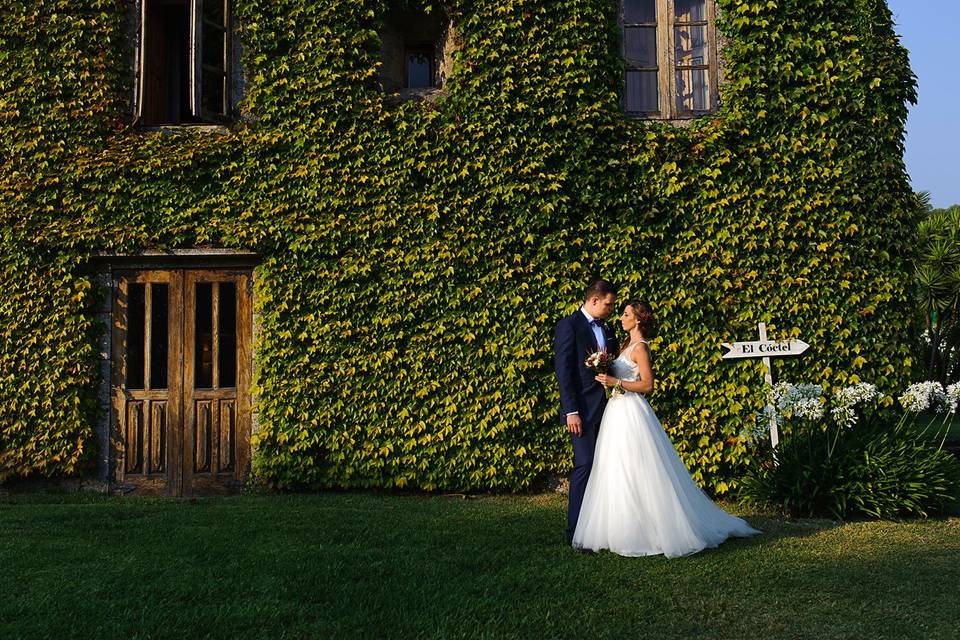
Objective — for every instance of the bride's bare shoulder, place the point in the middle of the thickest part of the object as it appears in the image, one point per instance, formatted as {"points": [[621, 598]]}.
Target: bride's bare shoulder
{"points": [[641, 353]]}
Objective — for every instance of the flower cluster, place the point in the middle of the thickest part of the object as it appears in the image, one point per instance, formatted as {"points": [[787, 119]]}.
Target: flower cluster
{"points": [[787, 401], [953, 397], [804, 401], [846, 399], [926, 396], [798, 400], [762, 424], [853, 395]]}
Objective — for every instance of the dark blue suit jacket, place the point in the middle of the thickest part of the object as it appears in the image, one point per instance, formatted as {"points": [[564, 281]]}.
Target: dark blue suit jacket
{"points": [[573, 342]]}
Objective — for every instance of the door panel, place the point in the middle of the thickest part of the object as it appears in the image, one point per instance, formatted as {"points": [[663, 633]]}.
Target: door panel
{"points": [[146, 380], [181, 377], [216, 382]]}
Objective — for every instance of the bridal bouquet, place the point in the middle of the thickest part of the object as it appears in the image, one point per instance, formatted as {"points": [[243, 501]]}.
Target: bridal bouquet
{"points": [[599, 361]]}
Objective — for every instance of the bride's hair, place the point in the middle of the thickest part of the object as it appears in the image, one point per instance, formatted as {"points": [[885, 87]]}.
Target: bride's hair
{"points": [[646, 319]]}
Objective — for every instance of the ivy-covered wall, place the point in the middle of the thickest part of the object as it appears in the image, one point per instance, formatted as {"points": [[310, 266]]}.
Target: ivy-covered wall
{"points": [[416, 256]]}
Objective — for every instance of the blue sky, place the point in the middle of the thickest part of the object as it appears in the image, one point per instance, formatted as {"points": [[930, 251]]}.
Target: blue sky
{"points": [[929, 29]]}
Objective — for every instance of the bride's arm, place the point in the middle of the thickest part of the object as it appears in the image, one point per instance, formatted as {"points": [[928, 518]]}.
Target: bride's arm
{"points": [[644, 384]]}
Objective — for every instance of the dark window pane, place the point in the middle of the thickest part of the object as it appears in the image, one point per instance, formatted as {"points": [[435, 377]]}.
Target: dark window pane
{"points": [[693, 90], [214, 11], [214, 47], [419, 69], [136, 324], [636, 11], [165, 74], [689, 10], [690, 46], [212, 99], [159, 337], [228, 335], [641, 91], [640, 46], [203, 326]]}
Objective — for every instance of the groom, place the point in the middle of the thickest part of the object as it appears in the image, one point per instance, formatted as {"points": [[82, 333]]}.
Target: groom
{"points": [[582, 398]]}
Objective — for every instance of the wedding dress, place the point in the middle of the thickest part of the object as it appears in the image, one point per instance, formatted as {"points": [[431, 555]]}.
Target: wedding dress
{"points": [[640, 499]]}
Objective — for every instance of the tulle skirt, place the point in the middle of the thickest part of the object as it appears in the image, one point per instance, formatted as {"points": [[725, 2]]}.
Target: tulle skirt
{"points": [[640, 499]]}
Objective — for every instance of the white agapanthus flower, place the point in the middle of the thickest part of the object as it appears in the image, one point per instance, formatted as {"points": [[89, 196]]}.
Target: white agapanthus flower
{"points": [[762, 424], [800, 400], [953, 397], [788, 401], [808, 408], [846, 399], [853, 395], [844, 415], [925, 396]]}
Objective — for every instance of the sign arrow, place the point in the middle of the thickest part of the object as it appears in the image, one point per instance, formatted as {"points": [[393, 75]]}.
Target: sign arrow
{"points": [[764, 349]]}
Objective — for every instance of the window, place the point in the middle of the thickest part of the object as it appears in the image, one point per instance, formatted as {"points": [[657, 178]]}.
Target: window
{"points": [[669, 52], [419, 66], [415, 50], [184, 70]]}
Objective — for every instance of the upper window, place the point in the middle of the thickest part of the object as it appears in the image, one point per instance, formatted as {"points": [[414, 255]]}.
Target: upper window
{"points": [[669, 51], [184, 70], [415, 50]]}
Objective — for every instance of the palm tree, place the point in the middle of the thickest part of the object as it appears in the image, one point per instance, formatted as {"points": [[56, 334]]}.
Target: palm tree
{"points": [[938, 281]]}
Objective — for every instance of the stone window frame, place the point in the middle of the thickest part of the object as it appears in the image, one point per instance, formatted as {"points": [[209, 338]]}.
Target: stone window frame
{"points": [[666, 64]]}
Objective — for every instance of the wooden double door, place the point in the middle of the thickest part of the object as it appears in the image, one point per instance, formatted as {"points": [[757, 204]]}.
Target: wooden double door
{"points": [[181, 380]]}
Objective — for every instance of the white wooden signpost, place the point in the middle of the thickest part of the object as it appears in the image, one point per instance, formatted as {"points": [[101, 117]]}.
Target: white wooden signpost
{"points": [[766, 349]]}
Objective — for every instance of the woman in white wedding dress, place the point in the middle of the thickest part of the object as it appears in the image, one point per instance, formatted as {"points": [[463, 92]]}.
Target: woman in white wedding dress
{"points": [[640, 499]]}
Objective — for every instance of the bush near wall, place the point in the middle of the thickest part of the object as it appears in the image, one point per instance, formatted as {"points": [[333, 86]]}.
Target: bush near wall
{"points": [[416, 256]]}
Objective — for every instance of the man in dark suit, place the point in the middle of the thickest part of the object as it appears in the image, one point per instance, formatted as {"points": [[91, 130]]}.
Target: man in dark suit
{"points": [[582, 398]]}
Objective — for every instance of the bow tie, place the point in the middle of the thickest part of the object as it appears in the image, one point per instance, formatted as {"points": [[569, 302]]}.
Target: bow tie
{"points": [[597, 323]]}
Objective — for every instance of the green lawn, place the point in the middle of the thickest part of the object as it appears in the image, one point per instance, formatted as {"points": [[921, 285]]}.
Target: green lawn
{"points": [[371, 566]]}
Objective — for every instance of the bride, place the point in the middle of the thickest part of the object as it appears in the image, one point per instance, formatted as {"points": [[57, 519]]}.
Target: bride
{"points": [[640, 499]]}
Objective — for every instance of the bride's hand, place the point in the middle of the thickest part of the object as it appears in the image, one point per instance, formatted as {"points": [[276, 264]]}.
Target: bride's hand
{"points": [[607, 381]]}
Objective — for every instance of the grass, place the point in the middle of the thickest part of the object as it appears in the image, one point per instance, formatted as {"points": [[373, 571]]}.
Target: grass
{"points": [[371, 566]]}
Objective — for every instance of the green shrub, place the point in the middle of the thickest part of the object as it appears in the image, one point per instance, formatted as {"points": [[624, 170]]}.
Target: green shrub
{"points": [[882, 467]]}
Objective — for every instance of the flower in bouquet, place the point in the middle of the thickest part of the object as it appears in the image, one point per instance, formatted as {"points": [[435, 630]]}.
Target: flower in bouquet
{"points": [[846, 399], [599, 361], [925, 396]]}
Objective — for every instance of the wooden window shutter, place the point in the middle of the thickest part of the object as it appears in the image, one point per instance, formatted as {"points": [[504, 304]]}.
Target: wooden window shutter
{"points": [[141, 64], [209, 59], [196, 35]]}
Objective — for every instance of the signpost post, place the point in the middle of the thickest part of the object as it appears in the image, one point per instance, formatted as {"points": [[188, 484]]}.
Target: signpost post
{"points": [[766, 349]]}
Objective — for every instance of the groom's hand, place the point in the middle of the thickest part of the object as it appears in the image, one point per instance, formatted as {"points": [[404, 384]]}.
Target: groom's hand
{"points": [[574, 425]]}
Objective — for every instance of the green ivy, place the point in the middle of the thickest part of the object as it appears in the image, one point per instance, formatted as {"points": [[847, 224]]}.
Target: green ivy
{"points": [[416, 256]]}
